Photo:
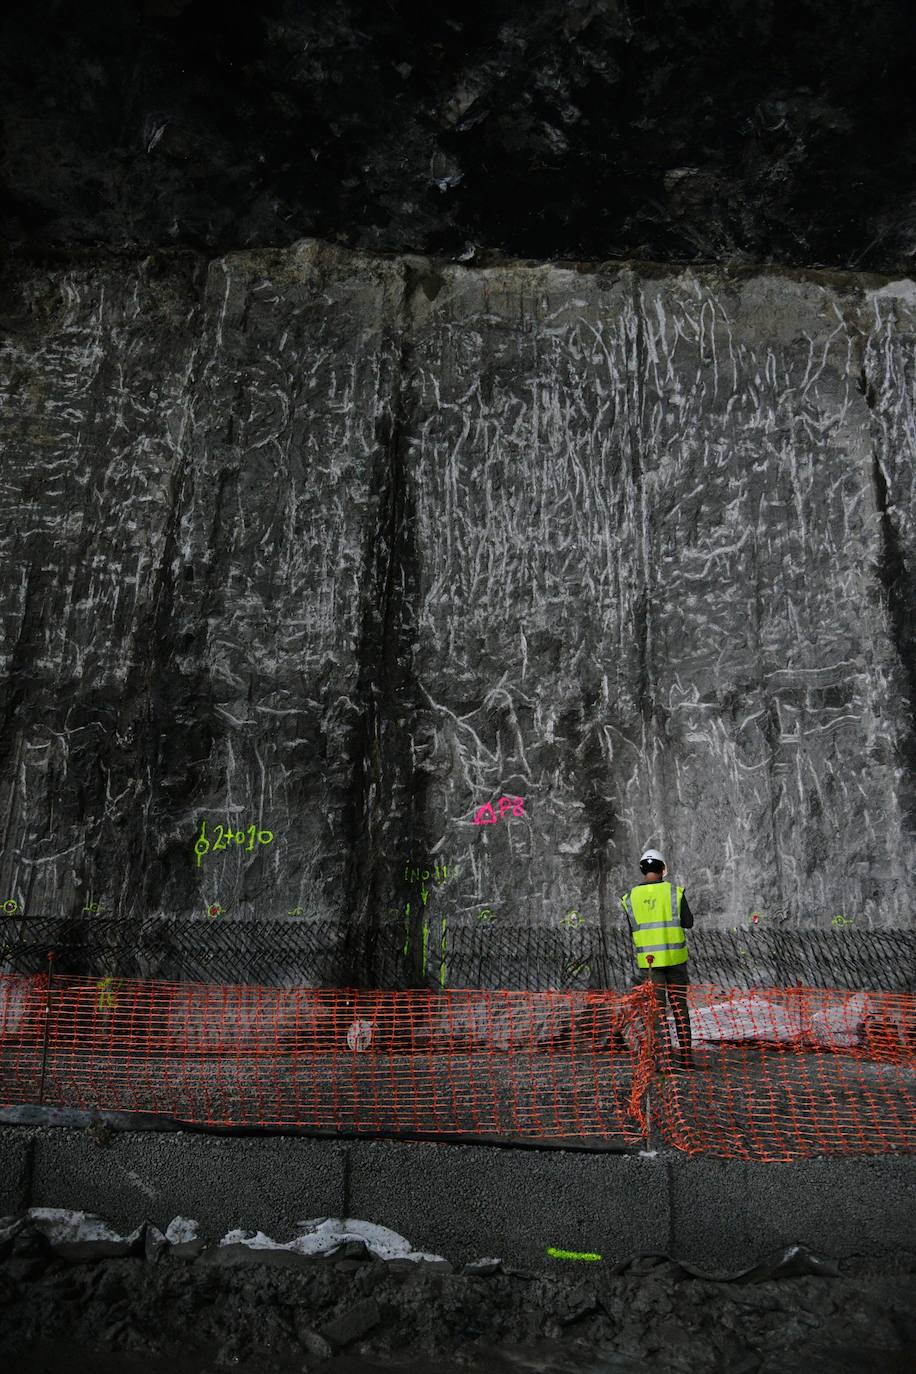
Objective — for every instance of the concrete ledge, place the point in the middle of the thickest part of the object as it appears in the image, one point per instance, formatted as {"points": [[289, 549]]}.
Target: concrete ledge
{"points": [[725, 1214], [16, 1158], [467, 1201], [464, 1202], [266, 1183]]}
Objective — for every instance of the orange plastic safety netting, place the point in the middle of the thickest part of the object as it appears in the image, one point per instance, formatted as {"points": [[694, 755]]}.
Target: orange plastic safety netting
{"points": [[548, 1066], [779, 1074], [788, 1073]]}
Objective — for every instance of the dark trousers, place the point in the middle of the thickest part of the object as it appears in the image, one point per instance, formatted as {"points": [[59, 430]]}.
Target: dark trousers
{"points": [[671, 982]]}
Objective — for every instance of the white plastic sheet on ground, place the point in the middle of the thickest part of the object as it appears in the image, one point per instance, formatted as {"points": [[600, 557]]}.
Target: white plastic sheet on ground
{"points": [[751, 1017], [317, 1237], [326, 1233], [63, 1227]]}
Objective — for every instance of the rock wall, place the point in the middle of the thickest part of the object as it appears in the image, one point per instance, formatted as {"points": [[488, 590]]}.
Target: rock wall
{"points": [[343, 548]]}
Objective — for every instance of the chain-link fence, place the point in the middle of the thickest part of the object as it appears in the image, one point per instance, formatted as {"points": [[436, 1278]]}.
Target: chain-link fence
{"points": [[296, 951]]}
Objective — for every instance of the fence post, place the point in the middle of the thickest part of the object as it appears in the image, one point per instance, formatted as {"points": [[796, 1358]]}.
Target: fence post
{"points": [[44, 1045]]}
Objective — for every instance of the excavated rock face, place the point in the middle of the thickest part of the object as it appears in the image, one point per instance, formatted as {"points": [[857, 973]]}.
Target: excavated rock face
{"points": [[344, 548], [597, 129]]}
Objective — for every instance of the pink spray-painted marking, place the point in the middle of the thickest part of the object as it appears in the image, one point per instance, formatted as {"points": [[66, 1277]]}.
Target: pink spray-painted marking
{"points": [[485, 814]]}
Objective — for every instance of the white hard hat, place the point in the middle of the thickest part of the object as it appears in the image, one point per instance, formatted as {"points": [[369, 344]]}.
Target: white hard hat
{"points": [[653, 856]]}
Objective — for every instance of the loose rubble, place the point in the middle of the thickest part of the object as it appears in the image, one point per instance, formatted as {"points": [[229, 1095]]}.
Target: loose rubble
{"points": [[327, 1301]]}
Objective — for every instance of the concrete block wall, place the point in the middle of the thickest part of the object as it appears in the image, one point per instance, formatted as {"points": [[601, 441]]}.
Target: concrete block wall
{"points": [[465, 1202]]}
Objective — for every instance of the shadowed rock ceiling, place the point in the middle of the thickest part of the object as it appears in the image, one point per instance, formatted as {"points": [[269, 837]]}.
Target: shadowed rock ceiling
{"points": [[677, 131]]}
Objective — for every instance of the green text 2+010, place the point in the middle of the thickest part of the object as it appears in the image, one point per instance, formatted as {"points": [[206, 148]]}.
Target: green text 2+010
{"points": [[227, 834]]}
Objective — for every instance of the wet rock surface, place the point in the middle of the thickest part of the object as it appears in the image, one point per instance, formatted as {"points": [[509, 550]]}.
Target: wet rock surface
{"points": [[193, 1317], [591, 129], [372, 542]]}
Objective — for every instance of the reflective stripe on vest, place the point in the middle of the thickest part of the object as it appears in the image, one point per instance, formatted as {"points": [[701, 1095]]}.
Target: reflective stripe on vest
{"points": [[672, 949]]}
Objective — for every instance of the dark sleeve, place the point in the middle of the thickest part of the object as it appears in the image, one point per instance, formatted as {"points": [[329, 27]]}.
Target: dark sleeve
{"points": [[686, 914]]}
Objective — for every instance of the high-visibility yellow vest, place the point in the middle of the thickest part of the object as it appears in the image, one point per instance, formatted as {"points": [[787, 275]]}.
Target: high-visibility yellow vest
{"points": [[654, 913]]}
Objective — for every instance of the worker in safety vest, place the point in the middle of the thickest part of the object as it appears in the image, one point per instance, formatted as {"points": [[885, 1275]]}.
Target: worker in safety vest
{"points": [[658, 915]]}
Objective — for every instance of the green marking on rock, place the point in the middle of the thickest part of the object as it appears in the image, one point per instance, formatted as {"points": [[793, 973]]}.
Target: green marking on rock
{"points": [[442, 954]]}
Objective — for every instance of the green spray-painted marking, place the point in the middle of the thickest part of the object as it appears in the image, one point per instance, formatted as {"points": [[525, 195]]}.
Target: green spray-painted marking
{"points": [[406, 929], [425, 942], [570, 1254], [108, 997], [442, 954]]}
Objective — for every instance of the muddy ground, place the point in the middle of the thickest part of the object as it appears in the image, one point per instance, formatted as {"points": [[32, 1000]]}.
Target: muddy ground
{"points": [[347, 1313]]}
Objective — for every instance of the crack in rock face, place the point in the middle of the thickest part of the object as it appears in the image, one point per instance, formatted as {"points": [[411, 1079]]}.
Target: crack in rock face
{"points": [[589, 130]]}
